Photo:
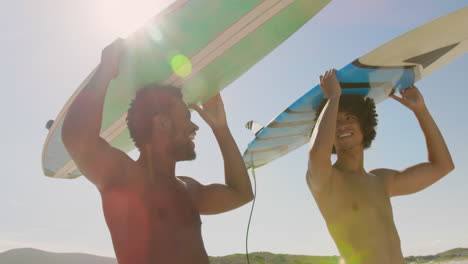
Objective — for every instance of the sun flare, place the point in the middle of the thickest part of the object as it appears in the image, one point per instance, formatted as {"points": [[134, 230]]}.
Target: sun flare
{"points": [[123, 17]]}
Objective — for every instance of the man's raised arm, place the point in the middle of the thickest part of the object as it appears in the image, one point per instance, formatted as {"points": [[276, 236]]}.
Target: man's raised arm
{"points": [[80, 132], [237, 190], [439, 164], [323, 136]]}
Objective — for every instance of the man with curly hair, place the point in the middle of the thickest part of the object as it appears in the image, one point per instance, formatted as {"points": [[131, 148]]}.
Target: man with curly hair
{"points": [[355, 203], [152, 214]]}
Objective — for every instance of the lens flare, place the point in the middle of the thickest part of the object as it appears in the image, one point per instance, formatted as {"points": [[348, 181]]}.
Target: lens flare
{"points": [[155, 34], [181, 65]]}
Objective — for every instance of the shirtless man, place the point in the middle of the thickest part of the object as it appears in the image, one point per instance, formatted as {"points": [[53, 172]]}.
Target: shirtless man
{"points": [[153, 216], [355, 203]]}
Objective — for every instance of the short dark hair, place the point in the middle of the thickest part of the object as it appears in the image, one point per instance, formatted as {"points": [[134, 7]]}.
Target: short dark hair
{"points": [[149, 101], [363, 108]]}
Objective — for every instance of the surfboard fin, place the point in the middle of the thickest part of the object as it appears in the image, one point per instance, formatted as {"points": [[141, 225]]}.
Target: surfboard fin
{"points": [[254, 126], [430, 57], [49, 124]]}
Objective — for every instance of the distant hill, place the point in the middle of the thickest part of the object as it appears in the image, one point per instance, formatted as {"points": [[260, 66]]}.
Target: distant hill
{"points": [[456, 254], [270, 258], [453, 256], [35, 256]]}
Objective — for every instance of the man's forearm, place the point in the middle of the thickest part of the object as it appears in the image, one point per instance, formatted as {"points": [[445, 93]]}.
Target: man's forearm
{"points": [[236, 175], [438, 153], [323, 135]]}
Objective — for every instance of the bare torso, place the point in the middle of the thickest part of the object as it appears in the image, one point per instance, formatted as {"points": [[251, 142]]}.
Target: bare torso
{"points": [[153, 222], [359, 217]]}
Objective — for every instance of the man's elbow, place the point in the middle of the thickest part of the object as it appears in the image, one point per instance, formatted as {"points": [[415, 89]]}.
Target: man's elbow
{"points": [[446, 168], [249, 197], [246, 197], [450, 167]]}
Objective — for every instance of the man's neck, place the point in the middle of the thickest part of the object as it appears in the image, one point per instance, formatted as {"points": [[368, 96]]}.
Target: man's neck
{"points": [[351, 161], [158, 163]]}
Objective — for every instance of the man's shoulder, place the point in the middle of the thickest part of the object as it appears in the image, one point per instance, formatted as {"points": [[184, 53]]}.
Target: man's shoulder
{"points": [[127, 173], [190, 183], [187, 179], [384, 175], [382, 172]]}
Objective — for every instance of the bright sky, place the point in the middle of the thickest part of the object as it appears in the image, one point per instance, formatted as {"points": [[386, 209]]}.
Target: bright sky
{"points": [[48, 47]]}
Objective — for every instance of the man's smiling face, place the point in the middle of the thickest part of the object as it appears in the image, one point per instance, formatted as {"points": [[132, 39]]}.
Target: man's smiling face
{"points": [[184, 131], [348, 131]]}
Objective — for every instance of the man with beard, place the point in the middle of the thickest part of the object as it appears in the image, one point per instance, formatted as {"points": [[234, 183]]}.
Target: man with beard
{"points": [[355, 203], [153, 216]]}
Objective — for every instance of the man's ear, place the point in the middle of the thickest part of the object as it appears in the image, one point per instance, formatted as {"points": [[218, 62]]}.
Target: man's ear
{"points": [[162, 123]]}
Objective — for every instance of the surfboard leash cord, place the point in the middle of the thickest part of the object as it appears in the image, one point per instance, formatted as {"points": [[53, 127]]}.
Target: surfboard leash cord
{"points": [[250, 217]]}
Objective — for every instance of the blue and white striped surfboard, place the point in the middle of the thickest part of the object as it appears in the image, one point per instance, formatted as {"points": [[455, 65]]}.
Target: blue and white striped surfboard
{"points": [[393, 66]]}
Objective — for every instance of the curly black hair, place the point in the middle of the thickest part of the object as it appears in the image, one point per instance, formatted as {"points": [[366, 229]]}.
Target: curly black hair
{"points": [[363, 108], [149, 101]]}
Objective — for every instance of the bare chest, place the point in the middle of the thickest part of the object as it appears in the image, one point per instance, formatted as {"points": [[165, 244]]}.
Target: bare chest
{"points": [[153, 223], [355, 198], [153, 208], [359, 217]]}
